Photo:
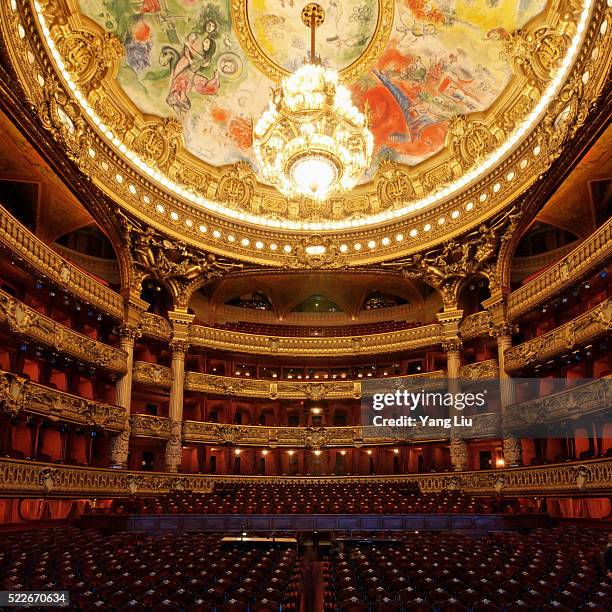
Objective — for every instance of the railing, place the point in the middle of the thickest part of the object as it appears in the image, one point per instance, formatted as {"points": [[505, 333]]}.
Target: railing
{"points": [[24, 245], [396, 341], [584, 259], [587, 327], [570, 405], [161, 376], [33, 479], [25, 321], [18, 394], [480, 370], [155, 326], [307, 437], [475, 325], [149, 426]]}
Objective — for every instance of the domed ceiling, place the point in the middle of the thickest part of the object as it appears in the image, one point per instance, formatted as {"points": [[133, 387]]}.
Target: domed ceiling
{"points": [[415, 64], [471, 101]]}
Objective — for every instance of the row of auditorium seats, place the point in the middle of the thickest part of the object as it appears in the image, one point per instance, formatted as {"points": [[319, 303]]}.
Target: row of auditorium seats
{"points": [[270, 329], [189, 571], [558, 569], [334, 498]]}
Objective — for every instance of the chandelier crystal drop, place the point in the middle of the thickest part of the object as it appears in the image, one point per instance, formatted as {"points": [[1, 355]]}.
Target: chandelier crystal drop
{"points": [[312, 141]]}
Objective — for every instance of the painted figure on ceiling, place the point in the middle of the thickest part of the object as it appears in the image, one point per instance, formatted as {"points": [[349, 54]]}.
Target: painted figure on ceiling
{"points": [[187, 67]]}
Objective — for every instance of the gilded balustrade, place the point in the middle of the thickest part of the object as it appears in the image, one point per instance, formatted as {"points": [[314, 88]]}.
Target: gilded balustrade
{"points": [[154, 326], [587, 327], [149, 426], [391, 342], [592, 399], [24, 245], [585, 259], [25, 321], [476, 325], [20, 395], [480, 370], [157, 375], [33, 479]]}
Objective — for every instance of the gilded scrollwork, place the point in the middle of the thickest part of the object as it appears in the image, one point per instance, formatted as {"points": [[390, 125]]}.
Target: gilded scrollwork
{"points": [[475, 325], [18, 394], [158, 142], [236, 186], [569, 406], [535, 55], [472, 140], [90, 57], [393, 185], [446, 267], [178, 266], [593, 323], [26, 321], [149, 426], [542, 52], [480, 370], [16, 477]]}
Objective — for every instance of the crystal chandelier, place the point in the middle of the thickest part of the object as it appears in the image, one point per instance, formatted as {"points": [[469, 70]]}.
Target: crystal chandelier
{"points": [[312, 141]]}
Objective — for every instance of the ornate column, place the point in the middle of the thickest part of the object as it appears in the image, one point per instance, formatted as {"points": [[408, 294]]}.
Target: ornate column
{"points": [[502, 331], [128, 332], [451, 344], [181, 320]]}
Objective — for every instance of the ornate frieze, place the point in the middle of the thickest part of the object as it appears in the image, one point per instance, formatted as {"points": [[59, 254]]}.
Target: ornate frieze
{"points": [[588, 326], [313, 438], [179, 267], [476, 325], [25, 321], [585, 259], [154, 326], [32, 479], [148, 426], [18, 395], [46, 262], [446, 267], [587, 400], [480, 370], [406, 339], [152, 374]]}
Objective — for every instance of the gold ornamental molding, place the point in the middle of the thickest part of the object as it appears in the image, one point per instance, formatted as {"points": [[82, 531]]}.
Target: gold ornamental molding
{"points": [[316, 438], [593, 324], [391, 342], [149, 426], [248, 41], [155, 326], [178, 195], [25, 321], [227, 385], [34, 479], [590, 400], [37, 256], [19, 395], [480, 370], [196, 382], [586, 258], [476, 325]]}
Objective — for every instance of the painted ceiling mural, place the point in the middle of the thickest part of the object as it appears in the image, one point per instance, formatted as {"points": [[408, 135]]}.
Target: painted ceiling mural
{"points": [[182, 59]]}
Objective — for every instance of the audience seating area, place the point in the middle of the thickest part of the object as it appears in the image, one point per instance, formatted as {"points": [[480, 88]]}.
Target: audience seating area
{"points": [[269, 329], [336, 498], [191, 571], [559, 569]]}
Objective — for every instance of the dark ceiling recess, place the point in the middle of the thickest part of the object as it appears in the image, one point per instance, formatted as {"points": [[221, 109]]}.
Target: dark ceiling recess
{"points": [[20, 198], [317, 303]]}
